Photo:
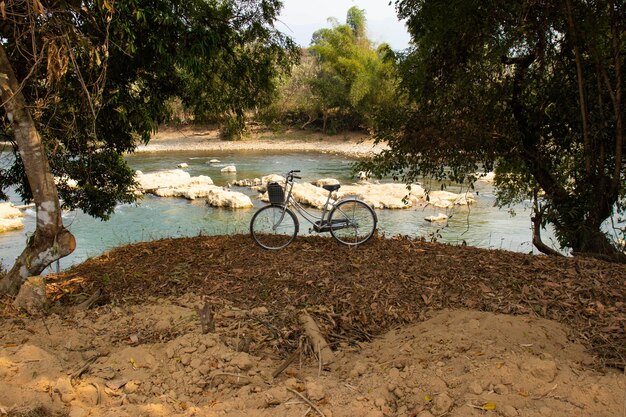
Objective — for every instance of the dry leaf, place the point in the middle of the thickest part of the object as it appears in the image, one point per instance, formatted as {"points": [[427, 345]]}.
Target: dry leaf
{"points": [[489, 406], [39, 9]]}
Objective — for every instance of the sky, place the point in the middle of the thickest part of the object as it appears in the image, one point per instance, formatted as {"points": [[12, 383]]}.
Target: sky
{"points": [[300, 18]]}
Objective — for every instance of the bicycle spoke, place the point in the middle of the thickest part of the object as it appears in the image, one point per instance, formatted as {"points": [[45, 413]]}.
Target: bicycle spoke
{"points": [[274, 227], [353, 222]]}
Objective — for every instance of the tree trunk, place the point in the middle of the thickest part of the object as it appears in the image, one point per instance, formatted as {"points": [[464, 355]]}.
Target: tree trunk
{"points": [[593, 243], [536, 220], [51, 241], [584, 233]]}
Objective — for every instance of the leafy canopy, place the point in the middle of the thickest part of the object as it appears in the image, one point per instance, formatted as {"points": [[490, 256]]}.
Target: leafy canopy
{"points": [[341, 82], [533, 88], [98, 75], [354, 77]]}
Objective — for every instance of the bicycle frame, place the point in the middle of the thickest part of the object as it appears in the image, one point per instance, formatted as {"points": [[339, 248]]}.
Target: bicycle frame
{"points": [[319, 223], [275, 226]]}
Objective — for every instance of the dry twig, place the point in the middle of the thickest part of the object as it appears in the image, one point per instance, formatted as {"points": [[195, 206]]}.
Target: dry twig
{"points": [[306, 400]]}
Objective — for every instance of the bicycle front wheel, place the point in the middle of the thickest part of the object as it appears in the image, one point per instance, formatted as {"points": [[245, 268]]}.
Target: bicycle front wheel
{"points": [[274, 227], [352, 222]]}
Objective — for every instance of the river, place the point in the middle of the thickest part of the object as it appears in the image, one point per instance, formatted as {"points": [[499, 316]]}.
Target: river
{"points": [[151, 218]]}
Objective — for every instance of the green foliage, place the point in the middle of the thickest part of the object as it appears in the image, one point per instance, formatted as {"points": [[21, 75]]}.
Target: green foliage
{"points": [[294, 103], [233, 127], [342, 81], [110, 69], [533, 88]]}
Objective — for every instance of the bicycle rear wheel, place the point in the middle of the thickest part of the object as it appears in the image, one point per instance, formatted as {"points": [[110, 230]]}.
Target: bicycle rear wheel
{"points": [[353, 222], [274, 227]]}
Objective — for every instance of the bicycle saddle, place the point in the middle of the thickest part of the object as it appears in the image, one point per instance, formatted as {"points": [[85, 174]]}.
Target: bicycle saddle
{"points": [[331, 187]]}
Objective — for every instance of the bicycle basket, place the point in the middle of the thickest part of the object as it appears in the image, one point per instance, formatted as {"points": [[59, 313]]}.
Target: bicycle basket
{"points": [[275, 193]]}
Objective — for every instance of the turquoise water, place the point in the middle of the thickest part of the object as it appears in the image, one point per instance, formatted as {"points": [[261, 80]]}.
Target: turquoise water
{"points": [[154, 218]]}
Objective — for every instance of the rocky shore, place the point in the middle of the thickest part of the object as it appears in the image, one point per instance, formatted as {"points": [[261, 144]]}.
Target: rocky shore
{"points": [[198, 139], [178, 183], [10, 218]]}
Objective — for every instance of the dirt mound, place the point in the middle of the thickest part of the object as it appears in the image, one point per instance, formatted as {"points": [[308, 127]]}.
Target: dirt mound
{"points": [[359, 293], [417, 330], [457, 363]]}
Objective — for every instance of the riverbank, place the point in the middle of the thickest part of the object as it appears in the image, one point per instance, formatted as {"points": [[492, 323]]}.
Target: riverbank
{"points": [[416, 329], [200, 138]]}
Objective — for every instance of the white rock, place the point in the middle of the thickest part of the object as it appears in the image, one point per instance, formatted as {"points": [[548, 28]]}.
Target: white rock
{"points": [[446, 199], [440, 217], [273, 178], [306, 194], [183, 165], [162, 179], [378, 196], [248, 182], [10, 218], [218, 197], [193, 191], [389, 196], [8, 211], [214, 161], [175, 183], [7, 225], [325, 181], [229, 168]]}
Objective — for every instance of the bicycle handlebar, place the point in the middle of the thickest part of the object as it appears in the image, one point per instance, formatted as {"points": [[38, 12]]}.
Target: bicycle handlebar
{"points": [[290, 175]]}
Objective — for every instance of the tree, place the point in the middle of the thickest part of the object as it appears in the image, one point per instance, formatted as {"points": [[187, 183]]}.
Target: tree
{"points": [[354, 78], [532, 87], [82, 83]]}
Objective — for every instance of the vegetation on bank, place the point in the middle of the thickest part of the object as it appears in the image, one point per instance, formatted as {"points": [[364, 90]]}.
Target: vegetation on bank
{"points": [[532, 89]]}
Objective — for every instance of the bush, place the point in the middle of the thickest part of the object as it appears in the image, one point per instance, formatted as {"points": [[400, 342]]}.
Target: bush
{"points": [[233, 127]]}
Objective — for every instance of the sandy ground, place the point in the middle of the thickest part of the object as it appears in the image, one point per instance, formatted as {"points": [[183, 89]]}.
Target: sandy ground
{"points": [[153, 360], [401, 317], [207, 139]]}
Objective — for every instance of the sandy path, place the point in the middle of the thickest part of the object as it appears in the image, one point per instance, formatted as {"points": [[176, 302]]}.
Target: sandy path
{"points": [[353, 144]]}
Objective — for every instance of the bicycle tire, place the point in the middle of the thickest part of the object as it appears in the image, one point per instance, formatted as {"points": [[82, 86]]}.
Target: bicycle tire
{"points": [[353, 222], [274, 227]]}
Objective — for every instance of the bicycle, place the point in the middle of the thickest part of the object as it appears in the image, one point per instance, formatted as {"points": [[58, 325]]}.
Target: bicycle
{"points": [[350, 221]]}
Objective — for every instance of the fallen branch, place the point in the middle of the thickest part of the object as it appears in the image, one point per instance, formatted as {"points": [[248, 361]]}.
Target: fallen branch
{"points": [[85, 366], [306, 400], [316, 339], [286, 363], [86, 305]]}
